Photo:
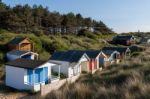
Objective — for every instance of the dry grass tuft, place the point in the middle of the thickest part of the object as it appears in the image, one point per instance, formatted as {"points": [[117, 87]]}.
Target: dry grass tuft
{"points": [[127, 80]]}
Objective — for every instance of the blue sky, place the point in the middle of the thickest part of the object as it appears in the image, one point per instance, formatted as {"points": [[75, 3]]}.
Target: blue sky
{"points": [[121, 15]]}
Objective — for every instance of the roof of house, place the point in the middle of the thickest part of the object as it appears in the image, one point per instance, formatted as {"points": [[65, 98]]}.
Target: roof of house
{"points": [[17, 52], [119, 49], [69, 56], [123, 37], [144, 39], [25, 63], [108, 52], [92, 53], [17, 40]]}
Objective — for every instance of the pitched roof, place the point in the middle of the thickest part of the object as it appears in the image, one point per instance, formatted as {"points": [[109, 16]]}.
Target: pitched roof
{"points": [[108, 52], [17, 52], [144, 39], [17, 40], [69, 56], [25, 63], [119, 49], [123, 37], [92, 53]]}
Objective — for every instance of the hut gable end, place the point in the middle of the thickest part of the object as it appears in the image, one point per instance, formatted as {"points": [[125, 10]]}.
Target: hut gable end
{"points": [[20, 43]]}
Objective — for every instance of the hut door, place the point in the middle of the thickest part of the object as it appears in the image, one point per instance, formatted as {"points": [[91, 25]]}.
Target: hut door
{"points": [[90, 64], [101, 61], [84, 66]]}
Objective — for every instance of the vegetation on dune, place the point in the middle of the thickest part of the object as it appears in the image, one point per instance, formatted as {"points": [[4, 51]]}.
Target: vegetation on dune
{"points": [[52, 43], [49, 31], [46, 45], [128, 80]]}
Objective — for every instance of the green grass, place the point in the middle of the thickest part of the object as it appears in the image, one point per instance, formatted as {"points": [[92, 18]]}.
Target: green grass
{"points": [[46, 45]]}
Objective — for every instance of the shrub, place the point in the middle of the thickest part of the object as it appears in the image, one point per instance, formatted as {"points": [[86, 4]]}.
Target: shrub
{"points": [[87, 33], [37, 43], [135, 54], [57, 45], [44, 55], [62, 76], [46, 43]]}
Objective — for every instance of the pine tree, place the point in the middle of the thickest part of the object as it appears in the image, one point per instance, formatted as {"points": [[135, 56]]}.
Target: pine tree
{"points": [[37, 18]]}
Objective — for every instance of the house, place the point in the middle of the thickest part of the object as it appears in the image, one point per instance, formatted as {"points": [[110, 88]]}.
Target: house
{"points": [[72, 62], [137, 48], [124, 40], [54, 29], [94, 56], [103, 60], [20, 43], [15, 54], [124, 51], [110, 58], [145, 40], [23, 74]]}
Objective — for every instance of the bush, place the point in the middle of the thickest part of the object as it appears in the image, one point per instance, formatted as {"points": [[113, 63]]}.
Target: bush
{"points": [[87, 33], [62, 76], [37, 31], [135, 54], [37, 43], [44, 55], [46, 44], [57, 45]]}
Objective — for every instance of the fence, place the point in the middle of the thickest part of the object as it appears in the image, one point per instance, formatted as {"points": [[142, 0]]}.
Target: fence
{"points": [[45, 89]]}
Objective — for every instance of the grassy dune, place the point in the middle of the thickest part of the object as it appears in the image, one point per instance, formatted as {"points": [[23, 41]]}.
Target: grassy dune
{"points": [[46, 45], [128, 80]]}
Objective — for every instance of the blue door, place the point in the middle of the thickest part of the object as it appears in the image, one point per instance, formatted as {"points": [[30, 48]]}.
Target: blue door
{"points": [[30, 76], [41, 75], [46, 75], [38, 75]]}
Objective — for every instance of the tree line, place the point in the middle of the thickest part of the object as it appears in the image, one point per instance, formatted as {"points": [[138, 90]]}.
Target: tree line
{"points": [[38, 19]]}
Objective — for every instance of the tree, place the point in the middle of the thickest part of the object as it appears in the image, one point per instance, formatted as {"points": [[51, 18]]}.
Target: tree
{"points": [[38, 13], [88, 22], [79, 19], [102, 28], [2, 6], [38, 19], [27, 18]]}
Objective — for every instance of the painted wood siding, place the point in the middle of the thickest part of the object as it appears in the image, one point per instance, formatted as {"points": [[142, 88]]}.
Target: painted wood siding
{"points": [[26, 47], [37, 76], [29, 76], [101, 61], [95, 64], [13, 47], [90, 65], [84, 66], [64, 67]]}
